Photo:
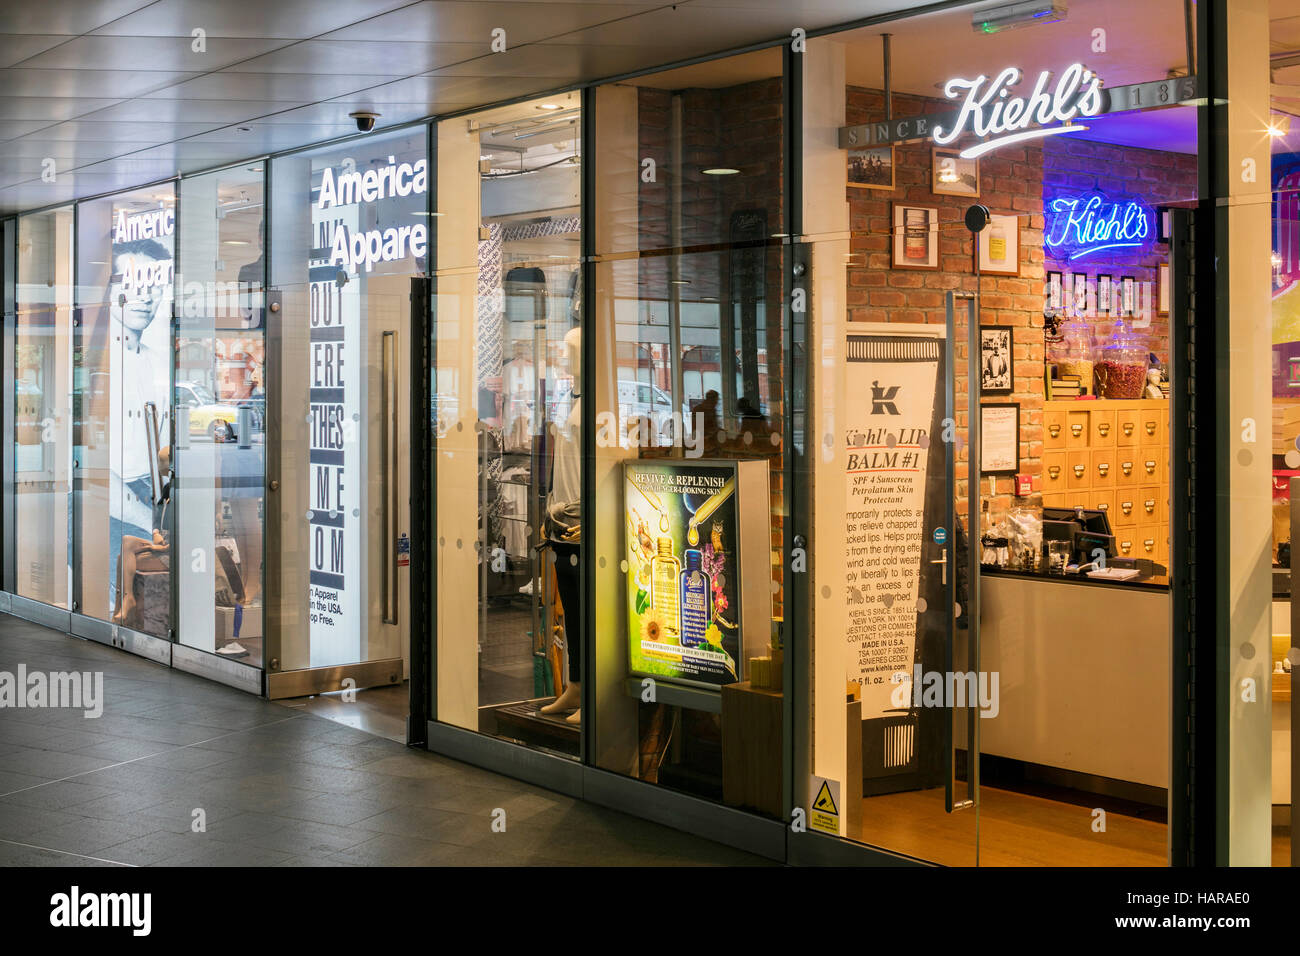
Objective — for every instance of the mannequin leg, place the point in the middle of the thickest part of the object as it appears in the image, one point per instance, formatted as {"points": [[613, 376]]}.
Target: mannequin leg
{"points": [[568, 584]]}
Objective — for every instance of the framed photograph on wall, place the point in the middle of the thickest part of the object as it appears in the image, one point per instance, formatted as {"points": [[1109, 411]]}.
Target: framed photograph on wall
{"points": [[1079, 293], [916, 237], [872, 168], [1162, 289], [1054, 294], [1000, 438], [997, 360], [1127, 295], [1105, 292], [999, 247], [950, 175]]}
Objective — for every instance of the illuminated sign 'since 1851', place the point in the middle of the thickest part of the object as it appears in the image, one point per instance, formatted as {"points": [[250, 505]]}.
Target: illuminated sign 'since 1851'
{"points": [[1078, 226]]}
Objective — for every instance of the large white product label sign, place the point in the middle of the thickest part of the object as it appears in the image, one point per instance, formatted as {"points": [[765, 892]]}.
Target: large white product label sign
{"points": [[335, 480], [891, 378]]}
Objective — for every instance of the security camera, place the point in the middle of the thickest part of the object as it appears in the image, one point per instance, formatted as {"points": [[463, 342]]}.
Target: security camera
{"points": [[365, 120]]}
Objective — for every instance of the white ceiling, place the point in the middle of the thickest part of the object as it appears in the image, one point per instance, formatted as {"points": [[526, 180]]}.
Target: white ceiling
{"points": [[114, 94]]}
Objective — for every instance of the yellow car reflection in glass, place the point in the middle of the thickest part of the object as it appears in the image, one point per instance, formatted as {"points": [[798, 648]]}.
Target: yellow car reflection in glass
{"points": [[216, 420]]}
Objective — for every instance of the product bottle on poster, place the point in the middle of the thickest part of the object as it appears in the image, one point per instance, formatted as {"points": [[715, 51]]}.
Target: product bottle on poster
{"points": [[997, 243], [916, 235], [665, 584], [697, 600]]}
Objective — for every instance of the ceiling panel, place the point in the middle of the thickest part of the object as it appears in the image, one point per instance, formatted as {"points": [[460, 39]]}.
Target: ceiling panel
{"points": [[358, 57], [284, 19], [49, 109], [297, 88], [15, 48], [67, 17], [119, 84], [449, 21], [149, 53]]}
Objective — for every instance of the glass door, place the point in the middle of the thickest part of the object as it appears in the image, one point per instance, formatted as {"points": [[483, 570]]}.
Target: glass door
{"points": [[348, 250]]}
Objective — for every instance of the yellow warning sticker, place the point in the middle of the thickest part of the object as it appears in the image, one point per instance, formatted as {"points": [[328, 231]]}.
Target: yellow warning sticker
{"points": [[824, 811]]}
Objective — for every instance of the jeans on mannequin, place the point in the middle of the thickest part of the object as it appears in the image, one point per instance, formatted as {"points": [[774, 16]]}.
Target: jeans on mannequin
{"points": [[568, 578]]}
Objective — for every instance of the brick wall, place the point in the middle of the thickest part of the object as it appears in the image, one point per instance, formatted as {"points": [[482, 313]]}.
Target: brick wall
{"points": [[1019, 180], [1075, 166], [1010, 184]]}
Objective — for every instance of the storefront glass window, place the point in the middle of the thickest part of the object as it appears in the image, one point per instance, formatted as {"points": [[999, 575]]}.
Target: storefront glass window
{"points": [[507, 421], [690, 364], [122, 361], [990, 716], [220, 407], [42, 383]]}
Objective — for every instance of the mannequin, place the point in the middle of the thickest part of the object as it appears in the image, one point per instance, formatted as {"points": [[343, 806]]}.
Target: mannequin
{"points": [[563, 531]]}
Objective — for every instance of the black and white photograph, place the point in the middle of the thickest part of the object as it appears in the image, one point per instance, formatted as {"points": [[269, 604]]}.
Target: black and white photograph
{"points": [[997, 376], [1054, 296]]}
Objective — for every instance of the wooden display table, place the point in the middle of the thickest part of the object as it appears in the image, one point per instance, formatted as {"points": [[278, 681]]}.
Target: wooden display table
{"points": [[751, 748]]}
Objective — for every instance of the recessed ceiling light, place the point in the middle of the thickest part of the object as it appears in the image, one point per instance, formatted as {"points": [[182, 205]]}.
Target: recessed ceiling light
{"points": [[234, 242], [550, 107], [244, 129], [720, 171], [679, 281], [422, 213]]}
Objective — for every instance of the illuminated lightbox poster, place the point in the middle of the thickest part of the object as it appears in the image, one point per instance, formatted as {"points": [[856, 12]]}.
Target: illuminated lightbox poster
{"points": [[892, 387], [698, 578]]}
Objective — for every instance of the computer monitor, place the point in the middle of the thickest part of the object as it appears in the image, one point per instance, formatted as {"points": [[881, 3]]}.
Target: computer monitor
{"points": [[1087, 528], [1092, 520]]}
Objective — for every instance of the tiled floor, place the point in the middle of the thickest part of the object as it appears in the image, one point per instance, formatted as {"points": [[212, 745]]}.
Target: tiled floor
{"points": [[275, 786]]}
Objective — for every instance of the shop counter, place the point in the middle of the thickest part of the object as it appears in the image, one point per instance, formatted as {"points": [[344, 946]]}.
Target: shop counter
{"points": [[1084, 670]]}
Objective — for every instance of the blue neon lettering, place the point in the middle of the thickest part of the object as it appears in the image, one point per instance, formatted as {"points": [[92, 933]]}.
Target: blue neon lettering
{"points": [[1087, 225]]}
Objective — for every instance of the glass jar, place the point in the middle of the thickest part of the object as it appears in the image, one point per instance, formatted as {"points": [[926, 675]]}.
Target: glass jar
{"points": [[1072, 353], [1121, 367]]}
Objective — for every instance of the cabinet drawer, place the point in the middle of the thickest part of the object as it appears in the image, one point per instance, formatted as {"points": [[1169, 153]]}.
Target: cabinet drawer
{"points": [[1126, 508], [1078, 465], [1054, 500], [1053, 430], [1076, 430], [1126, 427], [1151, 505], [1126, 542], [1103, 468], [1128, 466], [1103, 499], [1150, 427], [1164, 545], [1102, 422], [1054, 472], [1151, 464], [1148, 542], [1164, 427]]}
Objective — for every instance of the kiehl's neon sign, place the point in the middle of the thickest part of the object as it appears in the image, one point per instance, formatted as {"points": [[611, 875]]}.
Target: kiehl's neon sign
{"points": [[989, 110], [1078, 226]]}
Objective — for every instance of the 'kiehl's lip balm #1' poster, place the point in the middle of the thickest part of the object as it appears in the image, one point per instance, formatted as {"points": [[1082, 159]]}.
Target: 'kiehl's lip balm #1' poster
{"points": [[686, 569]]}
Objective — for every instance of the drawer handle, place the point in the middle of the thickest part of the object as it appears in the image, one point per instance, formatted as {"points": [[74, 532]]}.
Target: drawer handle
{"points": [[1126, 467], [1151, 467], [1128, 428], [1076, 429], [1053, 471], [1150, 505], [1054, 429], [1079, 470], [1126, 546], [1103, 429], [1151, 428], [1126, 507], [1104, 506], [1103, 468], [1149, 544]]}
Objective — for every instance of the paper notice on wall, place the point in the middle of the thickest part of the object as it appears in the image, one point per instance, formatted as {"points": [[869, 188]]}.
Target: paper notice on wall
{"points": [[891, 392]]}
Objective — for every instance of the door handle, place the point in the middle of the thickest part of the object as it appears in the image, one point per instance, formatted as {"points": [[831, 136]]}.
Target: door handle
{"points": [[388, 468], [942, 560]]}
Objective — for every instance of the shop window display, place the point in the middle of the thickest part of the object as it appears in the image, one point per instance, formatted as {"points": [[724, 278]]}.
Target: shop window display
{"points": [[220, 406], [42, 383], [122, 392], [508, 414], [689, 411], [1060, 325]]}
